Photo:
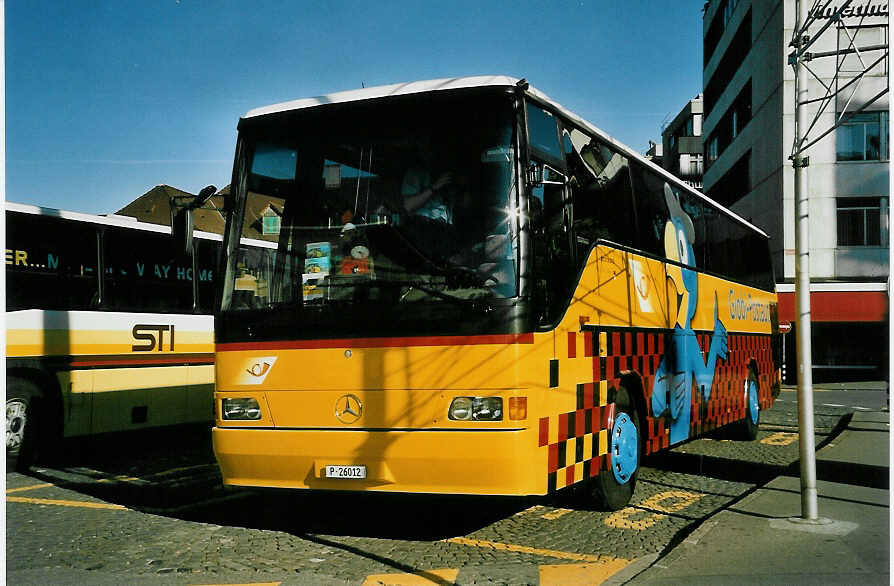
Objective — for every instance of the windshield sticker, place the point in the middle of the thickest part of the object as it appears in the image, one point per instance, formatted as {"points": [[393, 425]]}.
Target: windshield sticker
{"points": [[312, 290], [317, 262]]}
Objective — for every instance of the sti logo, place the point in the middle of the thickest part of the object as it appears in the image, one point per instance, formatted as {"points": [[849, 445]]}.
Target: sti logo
{"points": [[152, 336]]}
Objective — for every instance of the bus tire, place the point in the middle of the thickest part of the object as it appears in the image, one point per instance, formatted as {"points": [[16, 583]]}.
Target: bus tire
{"points": [[23, 400], [613, 488], [749, 426]]}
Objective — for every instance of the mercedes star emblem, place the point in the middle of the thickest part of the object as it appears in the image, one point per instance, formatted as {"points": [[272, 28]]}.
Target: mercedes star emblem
{"points": [[348, 408]]}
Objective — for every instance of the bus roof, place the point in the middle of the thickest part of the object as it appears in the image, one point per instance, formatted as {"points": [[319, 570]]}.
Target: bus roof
{"points": [[482, 81], [109, 220]]}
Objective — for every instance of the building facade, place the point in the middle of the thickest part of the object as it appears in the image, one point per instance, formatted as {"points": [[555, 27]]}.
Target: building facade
{"points": [[748, 132], [682, 144]]}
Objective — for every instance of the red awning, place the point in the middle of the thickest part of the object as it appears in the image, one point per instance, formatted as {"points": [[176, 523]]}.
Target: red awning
{"points": [[838, 306]]}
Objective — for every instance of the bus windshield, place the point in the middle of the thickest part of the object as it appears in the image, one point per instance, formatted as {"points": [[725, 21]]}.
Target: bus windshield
{"points": [[377, 203]]}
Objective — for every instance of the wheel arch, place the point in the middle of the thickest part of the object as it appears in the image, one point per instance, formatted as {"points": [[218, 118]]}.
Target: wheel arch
{"points": [[633, 382], [51, 404]]}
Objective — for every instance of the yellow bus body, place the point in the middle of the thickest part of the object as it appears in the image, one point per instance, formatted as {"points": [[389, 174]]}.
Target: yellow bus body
{"points": [[614, 333]]}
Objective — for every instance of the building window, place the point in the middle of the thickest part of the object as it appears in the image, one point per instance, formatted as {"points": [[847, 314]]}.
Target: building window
{"points": [[696, 166], [729, 64], [863, 137], [735, 183], [713, 149], [270, 221], [859, 221]]}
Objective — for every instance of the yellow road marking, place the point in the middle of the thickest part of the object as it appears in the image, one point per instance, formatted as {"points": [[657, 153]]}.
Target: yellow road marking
{"points": [[679, 500], [580, 574], [562, 555], [553, 515], [84, 504], [446, 576], [24, 488], [781, 438], [532, 509], [622, 519]]}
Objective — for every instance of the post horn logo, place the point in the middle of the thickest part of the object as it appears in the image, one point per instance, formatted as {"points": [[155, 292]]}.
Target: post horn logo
{"points": [[256, 369], [348, 409]]}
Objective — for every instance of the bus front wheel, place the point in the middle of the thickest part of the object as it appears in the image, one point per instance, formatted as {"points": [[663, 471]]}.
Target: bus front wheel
{"points": [[22, 421], [614, 487]]}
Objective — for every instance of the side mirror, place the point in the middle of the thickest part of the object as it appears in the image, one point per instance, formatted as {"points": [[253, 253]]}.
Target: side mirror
{"points": [[204, 196], [181, 230], [182, 220], [535, 174], [540, 174]]}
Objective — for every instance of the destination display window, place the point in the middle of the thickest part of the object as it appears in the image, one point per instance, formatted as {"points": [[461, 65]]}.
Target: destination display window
{"points": [[141, 273], [51, 263]]}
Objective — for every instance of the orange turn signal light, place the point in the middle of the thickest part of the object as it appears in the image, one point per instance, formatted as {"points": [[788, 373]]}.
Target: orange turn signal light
{"points": [[518, 408]]}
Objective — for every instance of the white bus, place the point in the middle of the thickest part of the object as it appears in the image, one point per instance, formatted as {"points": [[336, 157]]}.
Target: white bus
{"points": [[108, 328]]}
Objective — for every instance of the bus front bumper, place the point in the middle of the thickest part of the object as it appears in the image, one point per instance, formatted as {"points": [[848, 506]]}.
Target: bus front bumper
{"points": [[481, 462]]}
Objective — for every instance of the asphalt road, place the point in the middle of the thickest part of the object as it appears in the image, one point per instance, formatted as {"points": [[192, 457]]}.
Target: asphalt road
{"points": [[145, 510]]}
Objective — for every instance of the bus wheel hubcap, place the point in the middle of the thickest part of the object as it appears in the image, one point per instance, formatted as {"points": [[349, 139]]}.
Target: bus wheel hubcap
{"points": [[751, 398], [15, 424], [625, 444]]}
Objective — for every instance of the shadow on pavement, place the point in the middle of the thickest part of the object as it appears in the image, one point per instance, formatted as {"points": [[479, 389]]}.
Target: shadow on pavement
{"points": [[173, 472], [391, 516]]}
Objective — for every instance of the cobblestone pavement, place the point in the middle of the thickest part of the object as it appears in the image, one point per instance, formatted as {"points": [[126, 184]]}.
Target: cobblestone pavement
{"points": [[159, 515]]}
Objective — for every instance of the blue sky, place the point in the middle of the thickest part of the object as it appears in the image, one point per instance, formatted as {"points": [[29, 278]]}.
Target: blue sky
{"points": [[106, 99]]}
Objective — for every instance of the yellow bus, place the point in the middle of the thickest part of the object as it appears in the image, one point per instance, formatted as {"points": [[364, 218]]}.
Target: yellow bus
{"points": [[475, 291], [106, 328]]}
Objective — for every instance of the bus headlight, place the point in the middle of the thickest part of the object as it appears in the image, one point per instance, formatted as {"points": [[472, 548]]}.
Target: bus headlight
{"points": [[246, 409], [476, 409]]}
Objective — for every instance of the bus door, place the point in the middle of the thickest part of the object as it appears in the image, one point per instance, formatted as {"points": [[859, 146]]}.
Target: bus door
{"points": [[551, 213]]}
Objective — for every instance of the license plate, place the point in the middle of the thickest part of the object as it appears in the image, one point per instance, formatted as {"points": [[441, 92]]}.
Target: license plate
{"points": [[345, 471]]}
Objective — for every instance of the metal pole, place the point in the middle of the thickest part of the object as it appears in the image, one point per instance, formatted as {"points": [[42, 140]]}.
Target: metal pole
{"points": [[809, 509]]}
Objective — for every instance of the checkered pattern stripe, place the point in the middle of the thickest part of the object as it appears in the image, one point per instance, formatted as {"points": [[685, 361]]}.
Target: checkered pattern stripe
{"points": [[577, 447], [727, 401], [577, 441], [639, 351]]}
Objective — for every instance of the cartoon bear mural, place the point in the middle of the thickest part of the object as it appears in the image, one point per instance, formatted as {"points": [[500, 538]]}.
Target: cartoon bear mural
{"points": [[682, 366]]}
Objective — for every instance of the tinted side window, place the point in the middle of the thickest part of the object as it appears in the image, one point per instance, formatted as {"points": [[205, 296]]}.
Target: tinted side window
{"points": [[141, 273], [543, 134], [698, 212], [601, 192], [651, 209], [738, 252], [50, 263]]}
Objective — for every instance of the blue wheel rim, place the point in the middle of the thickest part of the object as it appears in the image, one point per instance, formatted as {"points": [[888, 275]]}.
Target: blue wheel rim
{"points": [[625, 448], [753, 407]]}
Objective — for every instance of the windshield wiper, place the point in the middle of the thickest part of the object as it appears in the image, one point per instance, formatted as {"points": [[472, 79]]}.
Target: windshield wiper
{"points": [[477, 303]]}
